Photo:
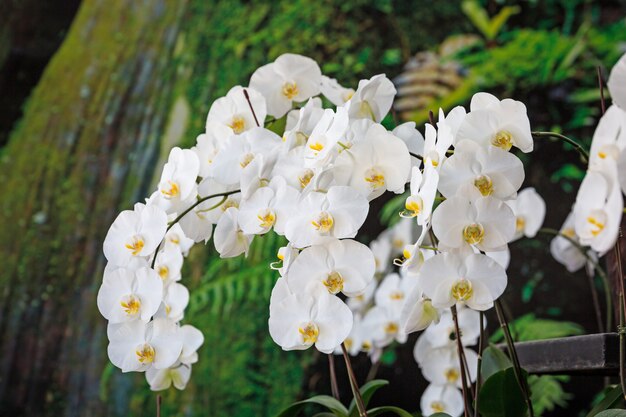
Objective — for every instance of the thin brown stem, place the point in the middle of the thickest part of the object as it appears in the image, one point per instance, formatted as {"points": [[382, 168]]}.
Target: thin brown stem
{"points": [[431, 118], [353, 384], [596, 302], [481, 347], [333, 376], [373, 371], [517, 368], [459, 346], [245, 93], [158, 405]]}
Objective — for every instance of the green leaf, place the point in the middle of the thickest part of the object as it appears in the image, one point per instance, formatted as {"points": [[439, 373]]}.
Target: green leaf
{"points": [[367, 391], [501, 396], [330, 403], [612, 413], [611, 395], [547, 393], [494, 361], [389, 409], [496, 23], [529, 327]]}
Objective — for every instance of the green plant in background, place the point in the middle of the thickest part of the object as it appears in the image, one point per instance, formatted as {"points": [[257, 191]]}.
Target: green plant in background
{"points": [[488, 27]]}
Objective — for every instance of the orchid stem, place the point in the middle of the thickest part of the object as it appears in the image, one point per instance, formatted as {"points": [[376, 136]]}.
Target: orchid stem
{"points": [[459, 346], [333, 376], [158, 405], [517, 368], [414, 155], [353, 384], [373, 371], [481, 346], [577, 146], [245, 93], [194, 205]]}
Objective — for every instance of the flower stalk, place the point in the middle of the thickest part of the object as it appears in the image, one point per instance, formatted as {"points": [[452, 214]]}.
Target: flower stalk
{"points": [[353, 384]]}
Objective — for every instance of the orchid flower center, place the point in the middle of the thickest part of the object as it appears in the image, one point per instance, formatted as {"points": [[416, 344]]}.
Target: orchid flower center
{"points": [[484, 185], [462, 290], [433, 157], [130, 304], [365, 110], [391, 328], [452, 375], [375, 177], [396, 295], [437, 407], [609, 151], [366, 346], [348, 342], [324, 222], [520, 223], [145, 353], [347, 95], [414, 205], [135, 246], [309, 333], [316, 147], [305, 178], [163, 271], [245, 161], [290, 90], [596, 221], [172, 191], [569, 232], [334, 282], [238, 124], [474, 233], [503, 139], [174, 238], [267, 218]]}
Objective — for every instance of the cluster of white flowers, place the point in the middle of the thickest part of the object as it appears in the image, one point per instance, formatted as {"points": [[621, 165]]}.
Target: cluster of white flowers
{"points": [[597, 213], [312, 183]]}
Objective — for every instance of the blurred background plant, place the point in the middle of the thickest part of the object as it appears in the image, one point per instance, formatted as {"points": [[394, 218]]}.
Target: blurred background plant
{"points": [[94, 93]]}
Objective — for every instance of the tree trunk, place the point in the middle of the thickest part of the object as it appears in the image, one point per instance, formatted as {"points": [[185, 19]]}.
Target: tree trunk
{"points": [[86, 146]]}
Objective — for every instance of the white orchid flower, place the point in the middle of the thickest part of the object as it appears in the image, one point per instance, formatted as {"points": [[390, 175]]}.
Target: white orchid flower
{"points": [[178, 180], [436, 144], [492, 122], [451, 277], [161, 379], [338, 213], [175, 301], [609, 140], [335, 92], [360, 302], [598, 212], [208, 145], [383, 326], [451, 122], [299, 321], [469, 219], [443, 333], [441, 366], [401, 234], [268, 207], [137, 346], [233, 111], [491, 170], [192, 339], [417, 312], [393, 292], [565, 251], [134, 234], [175, 237], [345, 266], [301, 122], [381, 248], [229, 239], [286, 255], [442, 399], [168, 264], [291, 78], [617, 83], [379, 162], [530, 211], [237, 155], [321, 145], [129, 295], [372, 99], [423, 193]]}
